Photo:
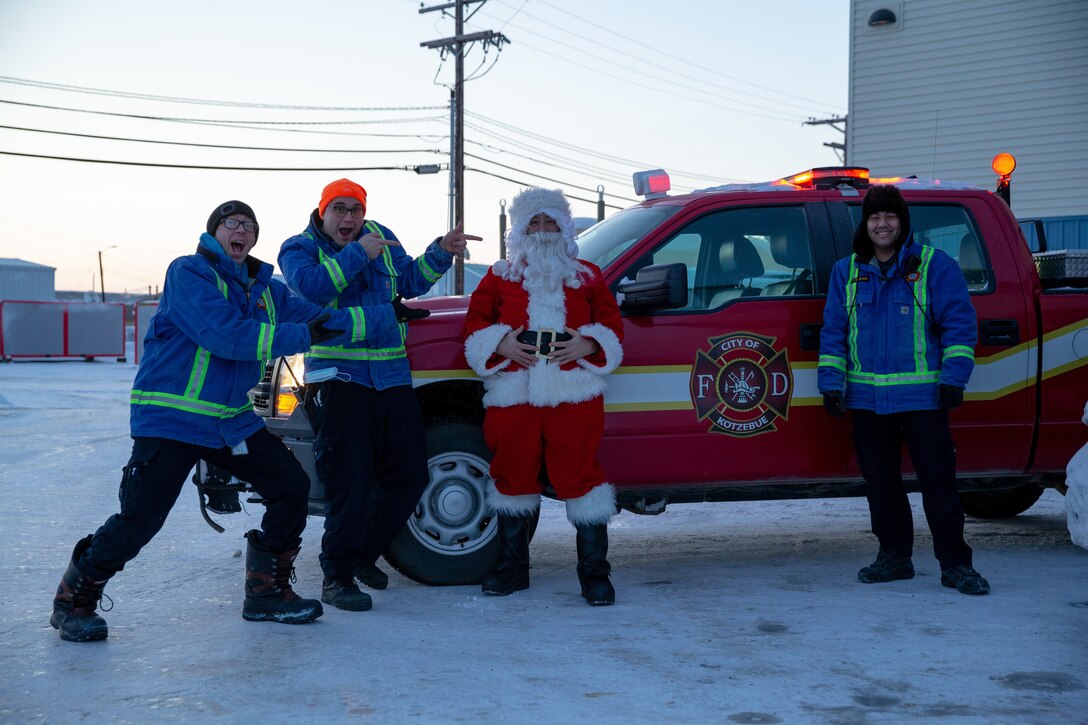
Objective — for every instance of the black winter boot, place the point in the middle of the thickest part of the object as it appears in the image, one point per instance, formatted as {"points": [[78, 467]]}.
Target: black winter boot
{"points": [[372, 576], [593, 566], [77, 597], [269, 596], [345, 595], [889, 566], [511, 573]]}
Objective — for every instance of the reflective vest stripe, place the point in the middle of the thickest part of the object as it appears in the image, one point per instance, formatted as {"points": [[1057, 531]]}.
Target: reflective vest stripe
{"points": [[189, 405], [958, 351], [332, 267], [885, 379], [851, 301], [921, 298], [830, 361], [425, 269], [358, 320], [268, 331], [363, 353]]}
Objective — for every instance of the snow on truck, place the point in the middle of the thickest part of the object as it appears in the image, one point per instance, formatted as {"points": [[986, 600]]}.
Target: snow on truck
{"points": [[722, 292]]}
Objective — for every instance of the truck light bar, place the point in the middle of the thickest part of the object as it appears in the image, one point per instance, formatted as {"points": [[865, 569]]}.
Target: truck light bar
{"points": [[651, 184], [828, 177]]}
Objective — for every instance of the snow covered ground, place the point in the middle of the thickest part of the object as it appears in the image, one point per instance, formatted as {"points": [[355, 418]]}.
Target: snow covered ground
{"points": [[732, 613]]}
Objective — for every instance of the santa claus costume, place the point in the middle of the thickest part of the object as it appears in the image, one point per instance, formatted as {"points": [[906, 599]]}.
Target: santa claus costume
{"points": [[543, 415]]}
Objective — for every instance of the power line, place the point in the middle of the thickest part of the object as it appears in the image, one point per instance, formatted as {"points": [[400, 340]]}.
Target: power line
{"points": [[641, 84], [218, 146], [671, 81], [590, 152], [219, 120], [208, 168], [204, 101], [566, 184], [527, 183], [643, 45]]}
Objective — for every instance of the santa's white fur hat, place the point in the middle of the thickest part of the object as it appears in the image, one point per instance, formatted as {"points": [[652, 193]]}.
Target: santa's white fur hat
{"points": [[535, 200]]}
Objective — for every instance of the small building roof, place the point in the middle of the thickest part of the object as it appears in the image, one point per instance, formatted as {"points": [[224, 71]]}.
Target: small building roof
{"points": [[12, 263]]}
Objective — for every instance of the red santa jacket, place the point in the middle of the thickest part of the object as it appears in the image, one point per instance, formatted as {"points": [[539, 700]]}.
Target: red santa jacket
{"points": [[499, 305]]}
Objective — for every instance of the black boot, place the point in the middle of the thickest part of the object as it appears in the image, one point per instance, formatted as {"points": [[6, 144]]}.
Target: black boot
{"points": [[372, 576], [269, 596], [593, 566], [511, 573], [77, 597], [889, 566]]}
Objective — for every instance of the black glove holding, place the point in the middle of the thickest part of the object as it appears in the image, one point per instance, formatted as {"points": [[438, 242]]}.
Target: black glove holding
{"points": [[835, 403], [949, 396], [405, 313], [319, 333]]}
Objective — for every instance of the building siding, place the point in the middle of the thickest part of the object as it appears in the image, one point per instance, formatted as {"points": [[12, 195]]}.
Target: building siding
{"points": [[954, 83], [20, 280]]}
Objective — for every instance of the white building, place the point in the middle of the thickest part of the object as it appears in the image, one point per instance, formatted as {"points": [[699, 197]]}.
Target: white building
{"points": [[937, 88], [21, 280]]}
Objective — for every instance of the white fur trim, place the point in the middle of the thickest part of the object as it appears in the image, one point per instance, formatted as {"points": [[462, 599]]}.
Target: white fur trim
{"points": [[610, 345], [596, 507], [481, 345], [543, 385], [500, 503]]}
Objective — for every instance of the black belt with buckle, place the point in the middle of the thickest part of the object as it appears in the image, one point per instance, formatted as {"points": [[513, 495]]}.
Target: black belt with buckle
{"points": [[543, 339]]}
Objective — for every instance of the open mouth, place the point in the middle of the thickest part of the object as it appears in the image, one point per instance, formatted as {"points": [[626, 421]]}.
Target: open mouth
{"points": [[237, 248], [345, 232]]}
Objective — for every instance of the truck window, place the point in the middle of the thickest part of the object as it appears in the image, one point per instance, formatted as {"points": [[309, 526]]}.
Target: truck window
{"points": [[606, 241], [739, 253], [949, 228]]}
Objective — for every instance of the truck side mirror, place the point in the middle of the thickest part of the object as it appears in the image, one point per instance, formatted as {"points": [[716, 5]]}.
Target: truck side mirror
{"points": [[656, 287]]}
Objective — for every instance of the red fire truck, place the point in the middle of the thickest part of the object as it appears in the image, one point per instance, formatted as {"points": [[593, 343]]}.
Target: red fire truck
{"points": [[722, 292]]}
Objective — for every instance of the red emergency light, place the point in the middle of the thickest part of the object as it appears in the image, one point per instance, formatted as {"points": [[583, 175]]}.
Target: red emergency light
{"points": [[651, 184]]}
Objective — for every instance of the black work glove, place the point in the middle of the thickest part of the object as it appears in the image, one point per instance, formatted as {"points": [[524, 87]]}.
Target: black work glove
{"points": [[835, 403], [405, 313], [949, 396], [319, 333]]}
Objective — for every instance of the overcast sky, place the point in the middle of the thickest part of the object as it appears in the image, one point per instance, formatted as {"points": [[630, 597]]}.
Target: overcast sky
{"points": [[584, 93]]}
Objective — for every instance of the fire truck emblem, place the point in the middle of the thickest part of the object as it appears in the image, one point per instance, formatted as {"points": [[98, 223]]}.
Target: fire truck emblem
{"points": [[742, 384]]}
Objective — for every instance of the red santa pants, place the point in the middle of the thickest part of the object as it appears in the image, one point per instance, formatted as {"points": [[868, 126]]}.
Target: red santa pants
{"points": [[564, 440]]}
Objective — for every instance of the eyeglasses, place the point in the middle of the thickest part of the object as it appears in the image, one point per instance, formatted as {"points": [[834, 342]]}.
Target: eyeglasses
{"points": [[341, 210], [250, 227]]}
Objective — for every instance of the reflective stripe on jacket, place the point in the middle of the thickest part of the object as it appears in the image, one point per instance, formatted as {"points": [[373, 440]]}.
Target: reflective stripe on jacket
{"points": [[207, 345], [319, 270], [890, 340]]}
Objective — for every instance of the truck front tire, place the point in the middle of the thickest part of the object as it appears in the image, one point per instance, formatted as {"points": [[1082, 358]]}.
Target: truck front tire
{"points": [[450, 539]]}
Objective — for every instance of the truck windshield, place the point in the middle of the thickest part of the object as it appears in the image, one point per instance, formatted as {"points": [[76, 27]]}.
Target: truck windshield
{"points": [[607, 240]]}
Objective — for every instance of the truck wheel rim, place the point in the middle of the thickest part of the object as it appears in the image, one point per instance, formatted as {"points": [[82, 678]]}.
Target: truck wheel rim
{"points": [[451, 517]]}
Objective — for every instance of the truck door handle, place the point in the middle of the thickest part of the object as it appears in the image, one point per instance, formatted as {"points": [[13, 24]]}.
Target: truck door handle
{"points": [[999, 333], [810, 336]]}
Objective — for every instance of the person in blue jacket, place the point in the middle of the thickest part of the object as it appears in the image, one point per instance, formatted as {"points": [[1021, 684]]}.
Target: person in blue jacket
{"points": [[369, 449], [221, 316], [897, 350]]}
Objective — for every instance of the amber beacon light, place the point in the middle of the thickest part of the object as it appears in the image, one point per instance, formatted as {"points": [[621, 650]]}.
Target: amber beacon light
{"points": [[1003, 165]]}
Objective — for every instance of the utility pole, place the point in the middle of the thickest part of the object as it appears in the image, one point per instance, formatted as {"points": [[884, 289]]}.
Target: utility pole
{"points": [[101, 276], [457, 109], [839, 148]]}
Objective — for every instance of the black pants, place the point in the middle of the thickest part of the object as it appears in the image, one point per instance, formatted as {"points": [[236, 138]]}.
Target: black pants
{"points": [[878, 440], [371, 455], [155, 475]]}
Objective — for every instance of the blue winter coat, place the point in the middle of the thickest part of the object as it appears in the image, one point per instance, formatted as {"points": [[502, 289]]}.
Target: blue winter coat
{"points": [[890, 340], [207, 345], [319, 270]]}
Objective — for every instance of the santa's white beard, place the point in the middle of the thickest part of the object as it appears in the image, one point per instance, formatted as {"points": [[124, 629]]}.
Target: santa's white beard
{"points": [[542, 260]]}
